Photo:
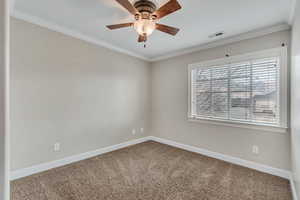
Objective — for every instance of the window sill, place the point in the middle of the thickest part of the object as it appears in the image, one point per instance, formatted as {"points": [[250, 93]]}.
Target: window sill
{"points": [[237, 124]]}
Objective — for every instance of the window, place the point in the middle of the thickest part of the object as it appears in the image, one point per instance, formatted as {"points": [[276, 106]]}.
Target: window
{"points": [[242, 89]]}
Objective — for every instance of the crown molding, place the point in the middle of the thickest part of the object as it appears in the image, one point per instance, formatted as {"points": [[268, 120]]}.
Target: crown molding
{"points": [[70, 32], [224, 41], [292, 12], [73, 33]]}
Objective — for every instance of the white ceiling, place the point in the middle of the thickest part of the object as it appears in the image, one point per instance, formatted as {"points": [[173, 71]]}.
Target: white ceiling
{"points": [[197, 20]]}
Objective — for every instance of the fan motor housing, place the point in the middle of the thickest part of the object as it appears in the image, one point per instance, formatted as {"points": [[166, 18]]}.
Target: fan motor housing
{"points": [[145, 6]]}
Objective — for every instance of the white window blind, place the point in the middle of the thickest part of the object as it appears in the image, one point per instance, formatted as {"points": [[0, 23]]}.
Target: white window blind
{"points": [[245, 91]]}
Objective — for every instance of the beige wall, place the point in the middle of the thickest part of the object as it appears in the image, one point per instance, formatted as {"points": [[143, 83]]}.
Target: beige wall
{"points": [[295, 99], [4, 23], [170, 104], [87, 97], [69, 91]]}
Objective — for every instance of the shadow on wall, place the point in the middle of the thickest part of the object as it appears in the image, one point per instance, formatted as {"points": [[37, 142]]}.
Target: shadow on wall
{"points": [[296, 126]]}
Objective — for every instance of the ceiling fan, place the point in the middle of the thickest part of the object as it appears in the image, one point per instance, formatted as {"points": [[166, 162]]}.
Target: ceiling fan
{"points": [[146, 17]]}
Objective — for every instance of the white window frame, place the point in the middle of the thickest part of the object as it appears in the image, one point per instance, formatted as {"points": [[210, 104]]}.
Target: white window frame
{"points": [[283, 90]]}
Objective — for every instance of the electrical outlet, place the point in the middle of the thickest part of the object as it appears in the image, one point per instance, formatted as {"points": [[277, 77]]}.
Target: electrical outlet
{"points": [[57, 146], [255, 149], [133, 131], [142, 130]]}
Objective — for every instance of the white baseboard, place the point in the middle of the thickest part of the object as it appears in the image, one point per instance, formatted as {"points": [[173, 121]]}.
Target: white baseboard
{"points": [[249, 164], [238, 161], [293, 188], [245, 163], [58, 163]]}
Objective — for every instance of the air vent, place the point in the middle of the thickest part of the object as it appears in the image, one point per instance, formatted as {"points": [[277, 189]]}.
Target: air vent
{"points": [[218, 34]]}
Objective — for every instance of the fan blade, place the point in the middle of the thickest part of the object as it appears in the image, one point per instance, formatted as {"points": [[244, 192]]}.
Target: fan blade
{"points": [[167, 29], [116, 26], [126, 4], [167, 9], [142, 38]]}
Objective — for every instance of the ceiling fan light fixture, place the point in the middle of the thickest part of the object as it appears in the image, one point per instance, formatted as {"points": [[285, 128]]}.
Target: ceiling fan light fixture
{"points": [[144, 26], [147, 16]]}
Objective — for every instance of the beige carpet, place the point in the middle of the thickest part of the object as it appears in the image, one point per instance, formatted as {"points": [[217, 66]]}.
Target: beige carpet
{"points": [[151, 171]]}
